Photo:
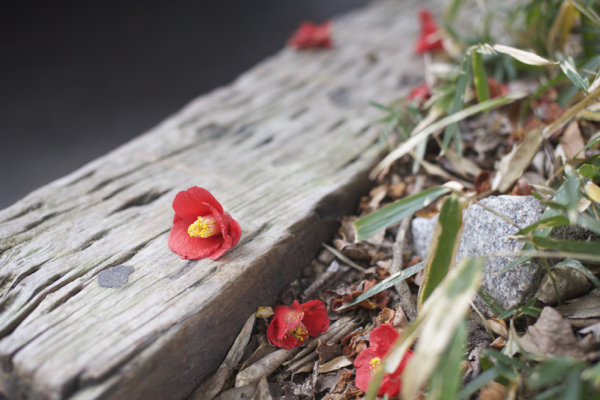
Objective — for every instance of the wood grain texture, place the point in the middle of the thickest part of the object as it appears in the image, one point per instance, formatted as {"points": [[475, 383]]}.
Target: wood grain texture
{"points": [[285, 148]]}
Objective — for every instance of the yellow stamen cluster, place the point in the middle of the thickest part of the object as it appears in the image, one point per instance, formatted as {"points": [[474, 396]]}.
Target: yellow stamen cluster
{"points": [[375, 362], [204, 227], [299, 332]]}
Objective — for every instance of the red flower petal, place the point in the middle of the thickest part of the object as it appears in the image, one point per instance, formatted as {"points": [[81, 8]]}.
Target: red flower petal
{"points": [[383, 337], [428, 27], [195, 202], [363, 366], [191, 248], [381, 340], [311, 35], [286, 329], [315, 317]]}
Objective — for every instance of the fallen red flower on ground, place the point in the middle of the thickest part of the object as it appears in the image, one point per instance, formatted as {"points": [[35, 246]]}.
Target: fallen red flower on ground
{"points": [[497, 89], [381, 340], [311, 36], [291, 326], [419, 94], [200, 227], [428, 41]]}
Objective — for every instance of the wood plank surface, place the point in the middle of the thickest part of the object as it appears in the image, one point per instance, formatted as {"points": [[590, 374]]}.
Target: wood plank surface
{"points": [[285, 149]]}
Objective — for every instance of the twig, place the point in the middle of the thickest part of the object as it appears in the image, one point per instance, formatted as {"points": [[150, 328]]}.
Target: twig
{"points": [[342, 257], [406, 301]]}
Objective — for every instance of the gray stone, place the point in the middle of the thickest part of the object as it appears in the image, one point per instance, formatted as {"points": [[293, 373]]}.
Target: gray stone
{"points": [[114, 277], [485, 234]]}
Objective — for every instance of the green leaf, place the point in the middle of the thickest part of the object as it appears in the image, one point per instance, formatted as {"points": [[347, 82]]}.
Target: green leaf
{"points": [[576, 249], [444, 246], [438, 320], [481, 86], [589, 171], [459, 100], [396, 212], [417, 138], [581, 268], [477, 383], [550, 222], [385, 284], [446, 378], [491, 302]]}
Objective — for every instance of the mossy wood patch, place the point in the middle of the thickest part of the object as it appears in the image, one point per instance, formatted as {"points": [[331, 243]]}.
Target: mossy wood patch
{"points": [[286, 149]]}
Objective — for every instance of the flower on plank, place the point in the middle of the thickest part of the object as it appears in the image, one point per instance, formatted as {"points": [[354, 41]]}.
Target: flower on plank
{"points": [[430, 39], [200, 227], [291, 326], [312, 36], [381, 340]]}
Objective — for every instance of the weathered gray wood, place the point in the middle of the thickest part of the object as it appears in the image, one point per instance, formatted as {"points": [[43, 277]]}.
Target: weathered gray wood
{"points": [[285, 149]]}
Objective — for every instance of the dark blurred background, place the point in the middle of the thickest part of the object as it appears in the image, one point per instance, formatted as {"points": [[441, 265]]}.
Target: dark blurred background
{"points": [[79, 78]]}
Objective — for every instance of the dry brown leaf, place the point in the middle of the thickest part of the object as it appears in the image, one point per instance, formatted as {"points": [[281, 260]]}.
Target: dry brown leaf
{"points": [[517, 161], [498, 326], [584, 311], [521, 188], [569, 282], [572, 141], [482, 182], [264, 366], [498, 343], [396, 190], [335, 364], [263, 350], [551, 335], [492, 391], [344, 388], [262, 390], [328, 352]]}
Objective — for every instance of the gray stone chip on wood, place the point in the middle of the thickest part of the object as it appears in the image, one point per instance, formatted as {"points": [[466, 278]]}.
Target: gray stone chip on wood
{"points": [[485, 234]]}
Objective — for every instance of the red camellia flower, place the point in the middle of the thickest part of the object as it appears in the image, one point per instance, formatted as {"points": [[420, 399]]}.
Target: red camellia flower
{"points": [[427, 41], [311, 36], [419, 94], [381, 340], [291, 326], [201, 228]]}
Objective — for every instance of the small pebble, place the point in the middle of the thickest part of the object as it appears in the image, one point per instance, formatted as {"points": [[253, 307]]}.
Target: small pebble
{"points": [[114, 277]]}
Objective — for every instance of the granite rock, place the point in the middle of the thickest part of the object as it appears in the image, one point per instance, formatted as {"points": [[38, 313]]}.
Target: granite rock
{"points": [[484, 234]]}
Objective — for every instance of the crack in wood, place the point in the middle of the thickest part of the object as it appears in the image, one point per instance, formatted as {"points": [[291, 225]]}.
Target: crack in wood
{"points": [[26, 211], [116, 177], [142, 199], [81, 178]]}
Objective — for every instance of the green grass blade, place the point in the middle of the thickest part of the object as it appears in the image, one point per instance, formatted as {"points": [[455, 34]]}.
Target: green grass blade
{"points": [[444, 246], [459, 100], [581, 268], [446, 379], [385, 284], [479, 80], [396, 212], [550, 222]]}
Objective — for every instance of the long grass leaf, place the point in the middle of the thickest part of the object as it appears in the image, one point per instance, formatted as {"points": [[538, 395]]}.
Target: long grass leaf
{"points": [[581, 268], [444, 246], [459, 100], [479, 80], [385, 284], [525, 57], [395, 212]]}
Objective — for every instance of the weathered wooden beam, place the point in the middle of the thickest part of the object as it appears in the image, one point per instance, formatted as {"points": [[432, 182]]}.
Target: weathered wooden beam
{"points": [[285, 149]]}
